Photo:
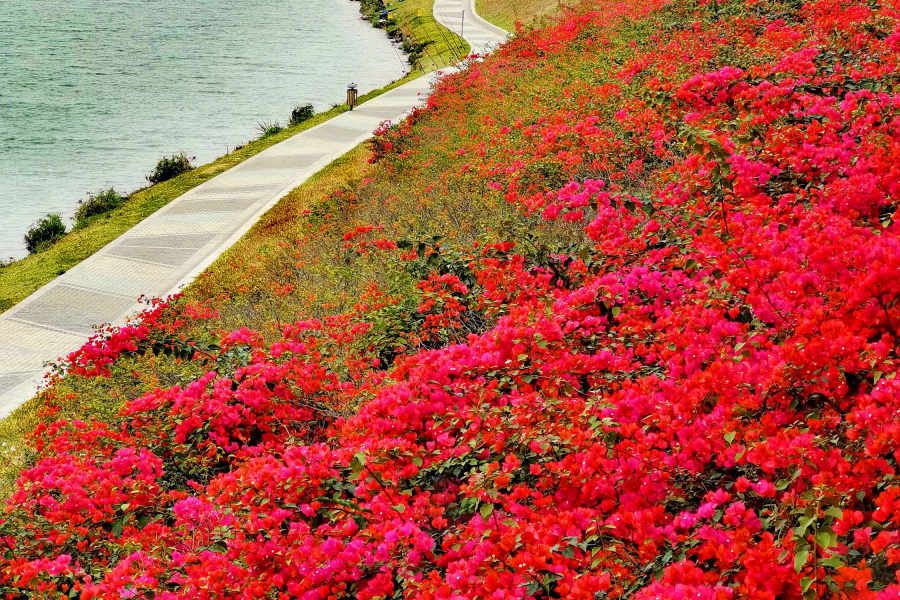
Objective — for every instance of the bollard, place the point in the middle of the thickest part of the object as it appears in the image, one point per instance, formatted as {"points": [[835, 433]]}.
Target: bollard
{"points": [[351, 95]]}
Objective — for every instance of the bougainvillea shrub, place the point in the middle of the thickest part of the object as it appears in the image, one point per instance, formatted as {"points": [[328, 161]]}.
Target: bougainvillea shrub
{"points": [[670, 374]]}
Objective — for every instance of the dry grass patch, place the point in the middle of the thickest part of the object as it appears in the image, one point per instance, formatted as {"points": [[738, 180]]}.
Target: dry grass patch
{"points": [[505, 13], [243, 266], [14, 453]]}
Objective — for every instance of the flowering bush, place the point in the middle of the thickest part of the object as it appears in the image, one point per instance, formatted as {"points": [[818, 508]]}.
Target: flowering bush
{"points": [[669, 374]]}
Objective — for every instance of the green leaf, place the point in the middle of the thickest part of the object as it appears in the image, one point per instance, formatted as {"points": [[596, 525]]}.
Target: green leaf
{"points": [[358, 462], [729, 437], [826, 538], [804, 524], [834, 562], [399, 508], [805, 583], [218, 548], [800, 559], [486, 510], [417, 461], [834, 511]]}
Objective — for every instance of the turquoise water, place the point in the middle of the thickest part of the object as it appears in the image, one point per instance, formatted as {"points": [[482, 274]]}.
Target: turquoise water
{"points": [[94, 92]]}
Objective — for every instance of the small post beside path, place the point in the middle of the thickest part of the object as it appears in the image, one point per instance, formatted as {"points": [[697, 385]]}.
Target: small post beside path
{"points": [[351, 95]]}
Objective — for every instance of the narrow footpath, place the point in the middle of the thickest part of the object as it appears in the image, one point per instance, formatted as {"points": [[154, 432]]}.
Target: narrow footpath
{"points": [[168, 249]]}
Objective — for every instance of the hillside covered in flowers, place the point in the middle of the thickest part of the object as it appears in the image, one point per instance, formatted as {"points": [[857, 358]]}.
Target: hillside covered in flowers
{"points": [[615, 316]]}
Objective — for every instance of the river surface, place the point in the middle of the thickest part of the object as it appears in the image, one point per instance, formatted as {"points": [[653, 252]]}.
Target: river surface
{"points": [[94, 92]]}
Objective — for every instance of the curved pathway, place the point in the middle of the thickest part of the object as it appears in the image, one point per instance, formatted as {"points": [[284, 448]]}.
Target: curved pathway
{"points": [[171, 247], [459, 16]]}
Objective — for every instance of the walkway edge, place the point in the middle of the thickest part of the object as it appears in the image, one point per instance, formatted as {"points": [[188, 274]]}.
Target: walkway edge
{"points": [[487, 24]]}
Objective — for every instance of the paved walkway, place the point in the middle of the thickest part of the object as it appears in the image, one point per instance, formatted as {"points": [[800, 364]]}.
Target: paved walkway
{"points": [[171, 247], [460, 17]]}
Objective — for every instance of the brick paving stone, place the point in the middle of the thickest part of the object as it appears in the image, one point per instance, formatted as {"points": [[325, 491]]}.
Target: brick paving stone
{"points": [[77, 310], [125, 276]]}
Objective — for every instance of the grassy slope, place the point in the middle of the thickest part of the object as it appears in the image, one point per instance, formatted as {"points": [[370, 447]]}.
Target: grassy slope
{"points": [[505, 13], [413, 21]]}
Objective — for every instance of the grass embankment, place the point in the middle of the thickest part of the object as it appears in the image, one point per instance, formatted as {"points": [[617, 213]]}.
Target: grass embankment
{"points": [[430, 45], [506, 13], [21, 278]]}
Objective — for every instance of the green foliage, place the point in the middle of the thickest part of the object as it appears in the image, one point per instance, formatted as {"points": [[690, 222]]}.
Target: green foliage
{"points": [[97, 204], [370, 9], [302, 113], [170, 167], [43, 233], [414, 50], [428, 44], [268, 128]]}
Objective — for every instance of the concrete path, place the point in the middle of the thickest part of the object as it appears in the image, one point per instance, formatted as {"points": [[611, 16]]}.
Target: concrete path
{"points": [[171, 247], [459, 16]]}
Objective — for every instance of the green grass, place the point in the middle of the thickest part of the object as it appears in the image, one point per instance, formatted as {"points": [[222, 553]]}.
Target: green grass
{"points": [[413, 21], [14, 452]]}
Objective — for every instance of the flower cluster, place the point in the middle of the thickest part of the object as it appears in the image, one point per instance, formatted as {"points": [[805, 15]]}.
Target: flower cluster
{"points": [[670, 374]]}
